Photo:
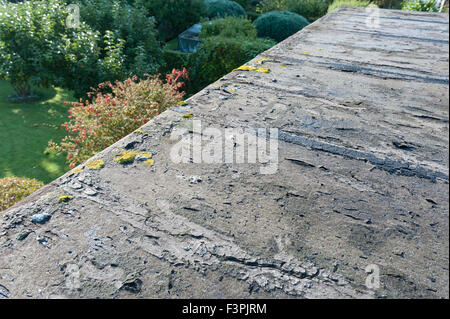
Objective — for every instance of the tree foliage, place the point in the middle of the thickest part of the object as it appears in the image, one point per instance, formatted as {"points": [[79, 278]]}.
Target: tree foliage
{"points": [[417, 5], [174, 16], [228, 44], [39, 48]]}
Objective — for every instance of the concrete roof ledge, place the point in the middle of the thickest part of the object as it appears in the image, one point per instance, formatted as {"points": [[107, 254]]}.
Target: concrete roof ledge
{"points": [[360, 182]]}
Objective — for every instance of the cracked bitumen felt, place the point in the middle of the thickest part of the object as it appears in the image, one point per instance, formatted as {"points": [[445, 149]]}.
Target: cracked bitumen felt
{"points": [[362, 179]]}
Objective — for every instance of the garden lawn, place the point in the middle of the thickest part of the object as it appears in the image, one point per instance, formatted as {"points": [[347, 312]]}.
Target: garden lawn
{"points": [[26, 128]]}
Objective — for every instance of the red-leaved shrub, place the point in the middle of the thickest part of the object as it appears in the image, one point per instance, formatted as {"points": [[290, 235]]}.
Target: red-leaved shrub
{"points": [[93, 126]]}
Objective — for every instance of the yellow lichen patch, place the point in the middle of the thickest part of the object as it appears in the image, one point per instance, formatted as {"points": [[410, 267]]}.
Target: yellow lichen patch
{"points": [[65, 198], [76, 171], [98, 164], [126, 157], [262, 70], [306, 52], [149, 162], [245, 68], [263, 60], [139, 131], [181, 103], [145, 155], [283, 66], [252, 69], [188, 116]]}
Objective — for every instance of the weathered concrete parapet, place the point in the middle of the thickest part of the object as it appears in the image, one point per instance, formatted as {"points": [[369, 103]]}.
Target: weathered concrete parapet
{"points": [[361, 180]]}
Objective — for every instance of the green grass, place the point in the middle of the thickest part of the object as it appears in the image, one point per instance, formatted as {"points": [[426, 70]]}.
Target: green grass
{"points": [[22, 144]]}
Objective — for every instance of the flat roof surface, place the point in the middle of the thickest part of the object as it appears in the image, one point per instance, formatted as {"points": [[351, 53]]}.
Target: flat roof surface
{"points": [[361, 180]]}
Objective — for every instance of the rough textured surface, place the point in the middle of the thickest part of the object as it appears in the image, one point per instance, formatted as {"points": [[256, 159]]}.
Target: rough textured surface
{"points": [[362, 179]]}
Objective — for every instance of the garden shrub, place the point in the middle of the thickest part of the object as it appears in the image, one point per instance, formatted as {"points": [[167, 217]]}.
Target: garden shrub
{"points": [[174, 60], [174, 16], [265, 6], [388, 4], [246, 4], [14, 189], [224, 8], [311, 10], [229, 27], [220, 55], [417, 5], [93, 126], [347, 3], [279, 25], [38, 49], [130, 37]]}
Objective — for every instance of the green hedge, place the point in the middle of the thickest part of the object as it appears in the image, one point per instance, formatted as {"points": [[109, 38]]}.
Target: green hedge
{"points": [[220, 55], [229, 27], [175, 60], [417, 5], [279, 25]]}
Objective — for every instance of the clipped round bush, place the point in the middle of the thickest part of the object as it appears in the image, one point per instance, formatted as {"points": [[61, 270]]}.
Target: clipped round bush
{"points": [[224, 8], [14, 189], [279, 25]]}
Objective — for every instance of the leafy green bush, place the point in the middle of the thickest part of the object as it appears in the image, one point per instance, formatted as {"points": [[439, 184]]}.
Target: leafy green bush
{"points": [[347, 3], [130, 36], [174, 60], [279, 25], [229, 27], [265, 6], [310, 9], [174, 16], [220, 55], [14, 189], [38, 49], [95, 126], [224, 8], [388, 4], [417, 5], [228, 43], [246, 4]]}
